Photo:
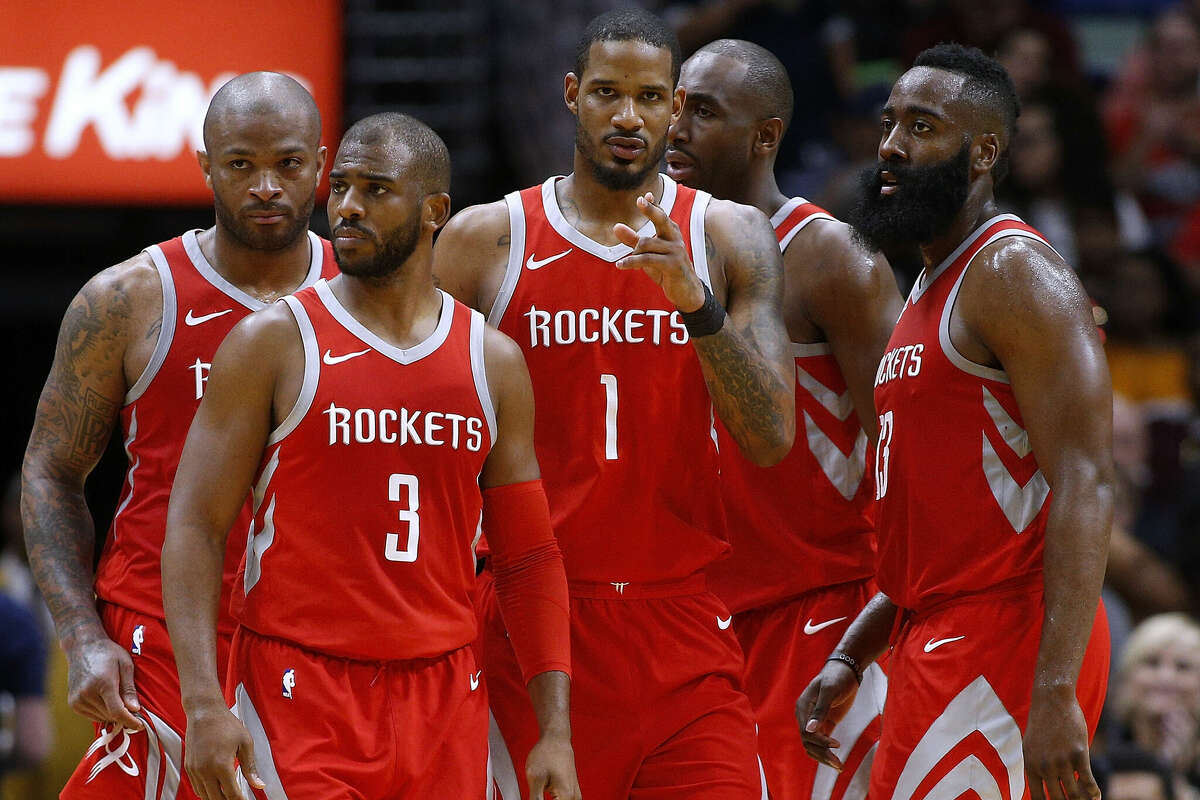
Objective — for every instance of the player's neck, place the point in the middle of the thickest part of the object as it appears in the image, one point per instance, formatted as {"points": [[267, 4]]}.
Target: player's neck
{"points": [[761, 191], [594, 209], [402, 308], [266, 274], [979, 208]]}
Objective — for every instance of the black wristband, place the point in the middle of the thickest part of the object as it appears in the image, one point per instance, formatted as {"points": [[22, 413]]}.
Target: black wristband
{"points": [[849, 662], [705, 320]]}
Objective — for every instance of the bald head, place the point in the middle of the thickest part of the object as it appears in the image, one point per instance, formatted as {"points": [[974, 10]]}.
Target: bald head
{"points": [[765, 82], [254, 96], [405, 140]]}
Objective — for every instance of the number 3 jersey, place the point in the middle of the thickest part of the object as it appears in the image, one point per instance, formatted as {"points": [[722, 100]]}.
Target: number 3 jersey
{"points": [[623, 416], [199, 308], [962, 502], [367, 502]]}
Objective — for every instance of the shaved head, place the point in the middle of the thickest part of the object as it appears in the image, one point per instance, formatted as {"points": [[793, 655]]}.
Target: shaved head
{"points": [[406, 140], [766, 80], [255, 95]]}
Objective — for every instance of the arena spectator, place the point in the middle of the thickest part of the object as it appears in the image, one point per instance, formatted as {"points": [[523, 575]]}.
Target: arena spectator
{"points": [[1156, 698], [1131, 774]]}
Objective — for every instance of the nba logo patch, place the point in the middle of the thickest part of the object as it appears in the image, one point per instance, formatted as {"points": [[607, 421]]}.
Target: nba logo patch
{"points": [[289, 683], [139, 635]]}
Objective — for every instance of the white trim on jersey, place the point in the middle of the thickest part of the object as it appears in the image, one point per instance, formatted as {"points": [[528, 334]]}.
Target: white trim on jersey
{"points": [[400, 355], [316, 255], [133, 465], [479, 371], [264, 759], [258, 544], [926, 278], [516, 252], [807, 349], [699, 251], [171, 744], [312, 372], [504, 774], [957, 358], [785, 211], [975, 708], [166, 333], [572, 234]]}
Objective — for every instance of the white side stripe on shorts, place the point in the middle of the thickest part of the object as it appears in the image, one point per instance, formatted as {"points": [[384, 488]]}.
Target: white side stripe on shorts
{"points": [[244, 710], [504, 774]]}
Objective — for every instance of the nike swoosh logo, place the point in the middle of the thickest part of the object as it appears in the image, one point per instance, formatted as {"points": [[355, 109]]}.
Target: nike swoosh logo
{"points": [[810, 629], [475, 680], [331, 359], [724, 624], [191, 319], [533, 263], [933, 644]]}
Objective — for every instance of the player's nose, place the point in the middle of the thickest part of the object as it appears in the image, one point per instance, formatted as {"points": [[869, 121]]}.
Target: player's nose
{"points": [[891, 147], [627, 116], [266, 187]]}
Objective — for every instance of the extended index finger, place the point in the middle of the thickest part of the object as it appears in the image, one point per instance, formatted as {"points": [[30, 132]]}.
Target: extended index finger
{"points": [[664, 226]]}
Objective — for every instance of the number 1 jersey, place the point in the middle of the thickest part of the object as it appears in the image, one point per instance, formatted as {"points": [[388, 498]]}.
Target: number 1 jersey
{"points": [[624, 421]]}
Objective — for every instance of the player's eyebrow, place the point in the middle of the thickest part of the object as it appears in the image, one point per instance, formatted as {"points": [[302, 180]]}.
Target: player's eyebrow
{"points": [[374, 177], [923, 111], [703, 97]]}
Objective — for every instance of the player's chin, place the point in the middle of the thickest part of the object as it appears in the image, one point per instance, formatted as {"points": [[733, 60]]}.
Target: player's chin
{"points": [[681, 173]]}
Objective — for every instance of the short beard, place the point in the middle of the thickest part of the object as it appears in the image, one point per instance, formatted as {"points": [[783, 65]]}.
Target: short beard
{"points": [[614, 178], [256, 238], [390, 254], [925, 204]]}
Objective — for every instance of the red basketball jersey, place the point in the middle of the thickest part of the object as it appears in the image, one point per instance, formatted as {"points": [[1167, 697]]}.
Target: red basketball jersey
{"points": [[367, 502], [804, 523], [962, 503], [199, 308], [624, 420]]}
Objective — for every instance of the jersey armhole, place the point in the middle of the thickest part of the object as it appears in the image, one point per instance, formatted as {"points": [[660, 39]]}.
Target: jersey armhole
{"points": [[479, 371], [801, 225], [696, 237], [166, 333], [956, 358], [516, 251], [312, 372]]}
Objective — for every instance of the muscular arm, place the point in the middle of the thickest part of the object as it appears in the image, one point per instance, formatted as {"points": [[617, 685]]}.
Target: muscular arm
{"points": [[1027, 308], [531, 586], [851, 295], [75, 417], [256, 369], [747, 364], [471, 254]]}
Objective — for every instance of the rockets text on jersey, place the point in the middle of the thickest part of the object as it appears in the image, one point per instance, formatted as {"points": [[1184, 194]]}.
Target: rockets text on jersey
{"points": [[777, 552], [199, 308], [624, 420], [962, 502], [367, 501]]}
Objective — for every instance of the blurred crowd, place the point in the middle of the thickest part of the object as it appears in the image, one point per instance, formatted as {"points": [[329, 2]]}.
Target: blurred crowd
{"points": [[1106, 164]]}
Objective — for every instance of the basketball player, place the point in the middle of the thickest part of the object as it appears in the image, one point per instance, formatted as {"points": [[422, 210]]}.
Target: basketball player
{"points": [[136, 345], [993, 471], [803, 539], [377, 422], [615, 282]]}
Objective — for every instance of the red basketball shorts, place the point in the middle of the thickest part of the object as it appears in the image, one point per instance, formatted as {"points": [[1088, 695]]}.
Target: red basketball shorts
{"points": [[657, 708], [786, 645], [960, 682], [336, 729], [140, 764]]}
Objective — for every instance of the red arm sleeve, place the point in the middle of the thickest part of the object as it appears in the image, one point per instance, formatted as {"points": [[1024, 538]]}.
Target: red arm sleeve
{"points": [[531, 586]]}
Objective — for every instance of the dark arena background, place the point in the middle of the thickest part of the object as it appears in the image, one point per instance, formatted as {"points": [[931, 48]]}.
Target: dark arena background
{"points": [[100, 111]]}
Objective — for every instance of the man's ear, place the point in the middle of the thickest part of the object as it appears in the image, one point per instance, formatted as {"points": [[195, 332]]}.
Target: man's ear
{"points": [[768, 135], [205, 167], [435, 210], [571, 92]]}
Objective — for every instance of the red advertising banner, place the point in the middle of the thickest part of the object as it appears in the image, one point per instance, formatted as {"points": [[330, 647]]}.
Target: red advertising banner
{"points": [[102, 102]]}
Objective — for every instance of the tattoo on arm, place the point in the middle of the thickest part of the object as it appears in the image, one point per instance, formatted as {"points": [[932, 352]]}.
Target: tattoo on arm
{"points": [[75, 417], [504, 241], [710, 250], [742, 361]]}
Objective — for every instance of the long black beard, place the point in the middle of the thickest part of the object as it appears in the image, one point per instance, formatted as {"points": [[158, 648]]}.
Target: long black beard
{"points": [[616, 179], [924, 206], [389, 257]]}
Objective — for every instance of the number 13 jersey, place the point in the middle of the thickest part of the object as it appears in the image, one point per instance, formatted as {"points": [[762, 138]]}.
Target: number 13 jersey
{"points": [[367, 502], [623, 416], [962, 502]]}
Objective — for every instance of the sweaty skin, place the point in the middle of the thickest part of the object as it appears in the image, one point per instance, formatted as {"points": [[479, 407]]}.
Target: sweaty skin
{"points": [[254, 383], [1023, 310], [626, 94], [267, 154]]}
